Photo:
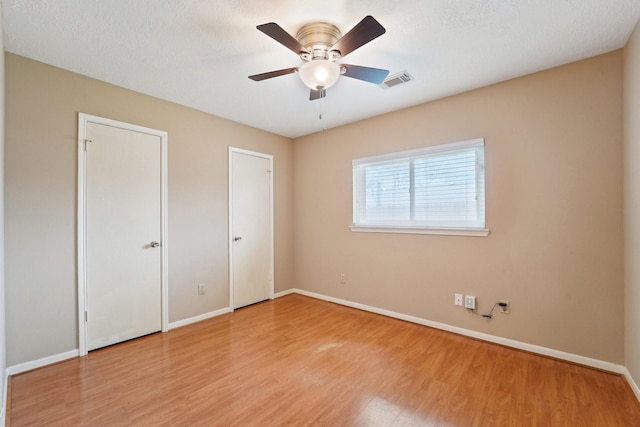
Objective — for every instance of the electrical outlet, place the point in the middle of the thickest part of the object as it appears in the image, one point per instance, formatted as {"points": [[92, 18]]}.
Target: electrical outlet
{"points": [[201, 289], [470, 302], [458, 299], [507, 308], [343, 278]]}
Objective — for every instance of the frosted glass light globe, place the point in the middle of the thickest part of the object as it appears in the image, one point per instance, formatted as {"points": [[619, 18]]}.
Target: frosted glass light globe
{"points": [[319, 74]]}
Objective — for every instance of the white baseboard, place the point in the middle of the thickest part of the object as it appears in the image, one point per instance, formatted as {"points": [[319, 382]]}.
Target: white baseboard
{"points": [[582, 360], [632, 383], [283, 293], [34, 364], [199, 318]]}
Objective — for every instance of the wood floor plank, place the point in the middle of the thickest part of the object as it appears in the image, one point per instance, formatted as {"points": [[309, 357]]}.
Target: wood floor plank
{"points": [[301, 361]]}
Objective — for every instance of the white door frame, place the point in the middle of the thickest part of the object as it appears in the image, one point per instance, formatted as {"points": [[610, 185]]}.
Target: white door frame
{"points": [[271, 245], [83, 120]]}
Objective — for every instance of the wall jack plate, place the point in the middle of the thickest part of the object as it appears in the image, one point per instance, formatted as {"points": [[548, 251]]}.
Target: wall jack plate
{"points": [[457, 299]]}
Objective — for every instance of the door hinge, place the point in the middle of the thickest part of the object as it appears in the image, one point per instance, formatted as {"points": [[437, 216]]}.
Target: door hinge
{"points": [[86, 317], [85, 143]]}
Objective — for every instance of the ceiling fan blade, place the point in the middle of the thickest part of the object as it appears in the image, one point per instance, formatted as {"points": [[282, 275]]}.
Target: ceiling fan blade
{"points": [[317, 94], [368, 74], [271, 74], [276, 32], [364, 31]]}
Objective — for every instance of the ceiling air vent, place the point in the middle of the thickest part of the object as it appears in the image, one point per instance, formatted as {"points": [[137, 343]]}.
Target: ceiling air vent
{"points": [[396, 79]]}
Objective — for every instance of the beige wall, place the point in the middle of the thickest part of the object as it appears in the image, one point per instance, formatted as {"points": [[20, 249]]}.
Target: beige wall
{"points": [[632, 203], [41, 162], [554, 207]]}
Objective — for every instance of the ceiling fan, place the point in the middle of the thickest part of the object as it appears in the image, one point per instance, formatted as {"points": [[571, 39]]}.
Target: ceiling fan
{"points": [[320, 45]]}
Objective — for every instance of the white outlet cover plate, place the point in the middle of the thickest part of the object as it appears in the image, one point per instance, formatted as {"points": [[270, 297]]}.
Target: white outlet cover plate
{"points": [[470, 302]]}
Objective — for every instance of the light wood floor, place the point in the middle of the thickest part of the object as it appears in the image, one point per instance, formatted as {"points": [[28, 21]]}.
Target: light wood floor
{"points": [[300, 361]]}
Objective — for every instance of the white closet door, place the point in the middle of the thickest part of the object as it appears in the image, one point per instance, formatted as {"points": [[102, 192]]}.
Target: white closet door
{"points": [[251, 228], [123, 232]]}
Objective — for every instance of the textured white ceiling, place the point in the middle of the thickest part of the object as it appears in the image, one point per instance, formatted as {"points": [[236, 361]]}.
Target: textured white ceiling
{"points": [[199, 53]]}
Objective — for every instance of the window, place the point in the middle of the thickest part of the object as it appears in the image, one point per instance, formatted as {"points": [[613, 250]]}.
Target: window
{"points": [[433, 190]]}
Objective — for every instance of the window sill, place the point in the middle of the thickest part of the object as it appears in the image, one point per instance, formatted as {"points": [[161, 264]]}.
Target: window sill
{"points": [[476, 232]]}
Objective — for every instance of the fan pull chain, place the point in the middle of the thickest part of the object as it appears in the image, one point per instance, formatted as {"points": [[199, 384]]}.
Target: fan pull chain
{"points": [[321, 114]]}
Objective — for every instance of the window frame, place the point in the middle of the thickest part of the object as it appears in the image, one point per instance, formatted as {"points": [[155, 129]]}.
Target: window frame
{"points": [[398, 156]]}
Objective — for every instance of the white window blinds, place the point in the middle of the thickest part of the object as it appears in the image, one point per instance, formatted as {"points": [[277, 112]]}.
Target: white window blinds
{"points": [[435, 187]]}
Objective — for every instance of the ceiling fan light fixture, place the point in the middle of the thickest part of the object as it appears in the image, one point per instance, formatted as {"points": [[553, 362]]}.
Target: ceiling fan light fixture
{"points": [[319, 74], [320, 45]]}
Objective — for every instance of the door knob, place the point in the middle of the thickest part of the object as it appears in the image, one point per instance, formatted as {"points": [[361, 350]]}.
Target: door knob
{"points": [[235, 239], [154, 244]]}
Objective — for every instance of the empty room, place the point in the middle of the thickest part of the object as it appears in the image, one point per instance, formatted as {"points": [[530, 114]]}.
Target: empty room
{"points": [[330, 213]]}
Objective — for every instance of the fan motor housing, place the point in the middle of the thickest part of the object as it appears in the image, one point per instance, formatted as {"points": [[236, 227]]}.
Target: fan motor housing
{"points": [[318, 37]]}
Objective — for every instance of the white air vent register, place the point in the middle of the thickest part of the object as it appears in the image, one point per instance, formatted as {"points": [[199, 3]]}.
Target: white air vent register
{"points": [[396, 79]]}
